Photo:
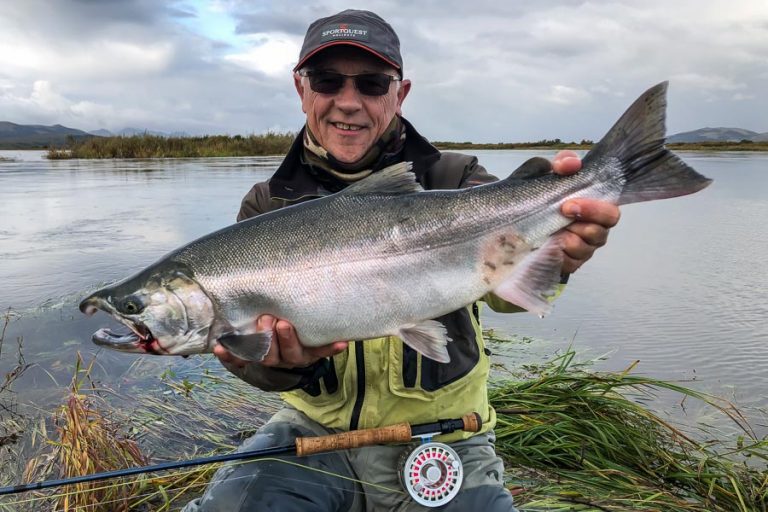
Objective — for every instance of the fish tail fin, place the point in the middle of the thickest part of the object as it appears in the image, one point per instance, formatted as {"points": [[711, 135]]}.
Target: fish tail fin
{"points": [[637, 139]]}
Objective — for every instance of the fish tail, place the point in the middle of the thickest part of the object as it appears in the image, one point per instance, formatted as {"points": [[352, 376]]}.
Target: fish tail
{"points": [[637, 140]]}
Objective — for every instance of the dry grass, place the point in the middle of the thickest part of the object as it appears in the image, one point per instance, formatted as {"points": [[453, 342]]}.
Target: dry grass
{"points": [[87, 441], [10, 422], [99, 429]]}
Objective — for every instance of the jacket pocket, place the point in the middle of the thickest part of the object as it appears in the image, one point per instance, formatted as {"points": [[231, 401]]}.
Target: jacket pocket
{"points": [[328, 388], [417, 376]]}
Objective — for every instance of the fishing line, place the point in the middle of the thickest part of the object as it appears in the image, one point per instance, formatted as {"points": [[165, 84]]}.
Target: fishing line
{"points": [[204, 484]]}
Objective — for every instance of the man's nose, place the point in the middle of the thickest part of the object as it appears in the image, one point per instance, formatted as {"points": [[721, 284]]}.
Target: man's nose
{"points": [[348, 96]]}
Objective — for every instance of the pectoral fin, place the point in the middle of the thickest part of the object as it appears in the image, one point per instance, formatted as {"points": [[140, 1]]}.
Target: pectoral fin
{"points": [[535, 280], [429, 338], [248, 346]]}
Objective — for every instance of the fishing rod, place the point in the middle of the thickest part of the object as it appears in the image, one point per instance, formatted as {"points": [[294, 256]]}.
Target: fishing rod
{"points": [[304, 446]]}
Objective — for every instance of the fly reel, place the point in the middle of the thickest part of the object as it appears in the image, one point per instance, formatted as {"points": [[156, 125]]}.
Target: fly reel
{"points": [[432, 474]]}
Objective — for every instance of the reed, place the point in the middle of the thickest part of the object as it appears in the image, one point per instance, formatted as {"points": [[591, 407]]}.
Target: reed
{"points": [[11, 422], [151, 146], [87, 440], [584, 439], [194, 413]]}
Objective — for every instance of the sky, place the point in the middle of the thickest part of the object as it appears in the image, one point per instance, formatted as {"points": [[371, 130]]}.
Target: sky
{"points": [[482, 71]]}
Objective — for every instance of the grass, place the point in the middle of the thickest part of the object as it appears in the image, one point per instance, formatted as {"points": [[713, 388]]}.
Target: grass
{"points": [[151, 146], [185, 415], [88, 441], [572, 439], [13, 424], [10, 430], [585, 440]]}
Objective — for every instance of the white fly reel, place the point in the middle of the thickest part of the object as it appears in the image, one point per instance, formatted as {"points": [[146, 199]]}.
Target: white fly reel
{"points": [[432, 474]]}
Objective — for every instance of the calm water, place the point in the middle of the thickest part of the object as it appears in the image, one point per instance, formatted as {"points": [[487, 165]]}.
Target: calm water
{"points": [[680, 286]]}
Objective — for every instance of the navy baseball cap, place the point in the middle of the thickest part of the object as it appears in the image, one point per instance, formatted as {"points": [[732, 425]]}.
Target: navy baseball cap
{"points": [[362, 29]]}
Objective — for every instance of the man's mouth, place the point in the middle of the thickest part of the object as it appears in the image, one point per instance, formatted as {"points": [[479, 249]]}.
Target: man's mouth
{"points": [[348, 127]]}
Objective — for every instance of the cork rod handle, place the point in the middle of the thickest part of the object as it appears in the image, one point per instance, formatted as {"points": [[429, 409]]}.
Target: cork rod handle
{"points": [[399, 433], [472, 422]]}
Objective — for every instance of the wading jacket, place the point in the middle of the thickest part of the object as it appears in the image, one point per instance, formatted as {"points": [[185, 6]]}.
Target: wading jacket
{"points": [[383, 381]]}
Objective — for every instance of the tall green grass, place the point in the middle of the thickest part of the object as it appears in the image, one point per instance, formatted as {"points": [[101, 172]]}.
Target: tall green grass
{"points": [[585, 439], [151, 146]]}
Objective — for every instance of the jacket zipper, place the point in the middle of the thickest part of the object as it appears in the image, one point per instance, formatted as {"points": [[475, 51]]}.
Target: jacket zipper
{"points": [[360, 364]]}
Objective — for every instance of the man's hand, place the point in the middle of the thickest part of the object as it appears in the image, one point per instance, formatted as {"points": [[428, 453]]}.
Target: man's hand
{"points": [[286, 350], [594, 218]]}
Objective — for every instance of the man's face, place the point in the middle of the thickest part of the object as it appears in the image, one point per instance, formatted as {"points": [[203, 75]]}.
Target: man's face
{"points": [[348, 123]]}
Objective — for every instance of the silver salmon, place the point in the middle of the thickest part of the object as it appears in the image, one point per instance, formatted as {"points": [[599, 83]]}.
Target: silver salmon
{"points": [[383, 257]]}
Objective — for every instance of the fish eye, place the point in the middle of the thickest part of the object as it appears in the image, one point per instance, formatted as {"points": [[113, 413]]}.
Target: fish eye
{"points": [[132, 306]]}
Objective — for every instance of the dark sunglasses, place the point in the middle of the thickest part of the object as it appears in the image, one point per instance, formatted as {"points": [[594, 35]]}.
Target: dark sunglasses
{"points": [[330, 82]]}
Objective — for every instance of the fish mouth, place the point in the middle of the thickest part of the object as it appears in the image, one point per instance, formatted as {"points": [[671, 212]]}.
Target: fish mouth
{"points": [[138, 339]]}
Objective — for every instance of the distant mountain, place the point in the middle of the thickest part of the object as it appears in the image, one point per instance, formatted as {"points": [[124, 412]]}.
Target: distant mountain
{"points": [[718, 135], [33, 136]]}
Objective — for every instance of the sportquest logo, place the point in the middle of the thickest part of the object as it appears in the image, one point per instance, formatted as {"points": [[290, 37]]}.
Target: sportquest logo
{"points": [[345, 31]]}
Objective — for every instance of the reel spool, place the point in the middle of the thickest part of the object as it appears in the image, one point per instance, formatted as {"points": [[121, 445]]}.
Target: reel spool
{"points": [[432, 474]]}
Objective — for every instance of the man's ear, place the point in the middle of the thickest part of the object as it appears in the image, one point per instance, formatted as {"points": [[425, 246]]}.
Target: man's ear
{"points": [[297, 83], [402, 92]]}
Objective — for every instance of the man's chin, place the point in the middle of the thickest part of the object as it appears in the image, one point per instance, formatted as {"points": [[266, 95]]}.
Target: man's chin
{"points": [[346, 154]]}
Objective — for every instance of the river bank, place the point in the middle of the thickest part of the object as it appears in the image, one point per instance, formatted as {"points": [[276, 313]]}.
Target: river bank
{"points": [[151, 146], [572, 439]]}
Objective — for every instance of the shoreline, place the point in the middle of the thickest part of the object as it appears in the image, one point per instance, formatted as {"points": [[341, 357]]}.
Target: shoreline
{"points": [[278, 144]]}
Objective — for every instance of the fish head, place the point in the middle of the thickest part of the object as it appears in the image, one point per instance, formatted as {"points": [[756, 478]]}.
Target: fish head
{"points": [[166, 310]]}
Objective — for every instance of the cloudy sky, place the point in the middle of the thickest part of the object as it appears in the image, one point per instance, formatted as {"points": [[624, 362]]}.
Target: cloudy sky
{"points": [[483, 71]]}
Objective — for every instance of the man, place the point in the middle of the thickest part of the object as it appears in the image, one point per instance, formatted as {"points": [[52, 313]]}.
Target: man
{"points": [[350, 81]]}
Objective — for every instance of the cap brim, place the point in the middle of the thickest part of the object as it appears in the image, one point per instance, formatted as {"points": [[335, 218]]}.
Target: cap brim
{"points": [[348, 43]]}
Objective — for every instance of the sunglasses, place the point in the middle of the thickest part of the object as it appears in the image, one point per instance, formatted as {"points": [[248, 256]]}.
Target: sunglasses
{"points": [[330, 82]]}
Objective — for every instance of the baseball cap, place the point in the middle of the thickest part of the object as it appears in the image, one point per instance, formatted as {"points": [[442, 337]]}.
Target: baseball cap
{"points": [[362, 29]]}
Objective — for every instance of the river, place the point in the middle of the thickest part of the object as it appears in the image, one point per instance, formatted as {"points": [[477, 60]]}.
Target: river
{"points": [[680, 286]]}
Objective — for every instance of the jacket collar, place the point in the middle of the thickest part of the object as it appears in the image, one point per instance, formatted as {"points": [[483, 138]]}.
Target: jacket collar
{"points": [[292, 182]]}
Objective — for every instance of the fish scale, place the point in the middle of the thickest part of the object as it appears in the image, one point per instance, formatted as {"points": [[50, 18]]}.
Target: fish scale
{"points": [[383, 257]]}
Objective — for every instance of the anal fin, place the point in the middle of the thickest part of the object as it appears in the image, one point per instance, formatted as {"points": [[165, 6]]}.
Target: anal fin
{"points": [[535, 279], [429, 338], [248, 346]]}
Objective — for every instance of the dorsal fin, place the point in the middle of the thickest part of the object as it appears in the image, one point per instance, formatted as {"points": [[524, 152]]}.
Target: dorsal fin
{"points": [[395, 179], [535, 167]]}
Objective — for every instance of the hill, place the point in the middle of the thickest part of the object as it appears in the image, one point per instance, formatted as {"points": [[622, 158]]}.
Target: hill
{"points": [[35, 136], [718, 135]]}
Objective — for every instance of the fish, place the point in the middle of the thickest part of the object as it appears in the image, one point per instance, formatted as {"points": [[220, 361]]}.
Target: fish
{"points": [[383, 257]]}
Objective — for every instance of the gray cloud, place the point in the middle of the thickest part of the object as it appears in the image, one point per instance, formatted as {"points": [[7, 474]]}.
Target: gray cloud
{"points": [[482, 71]]}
